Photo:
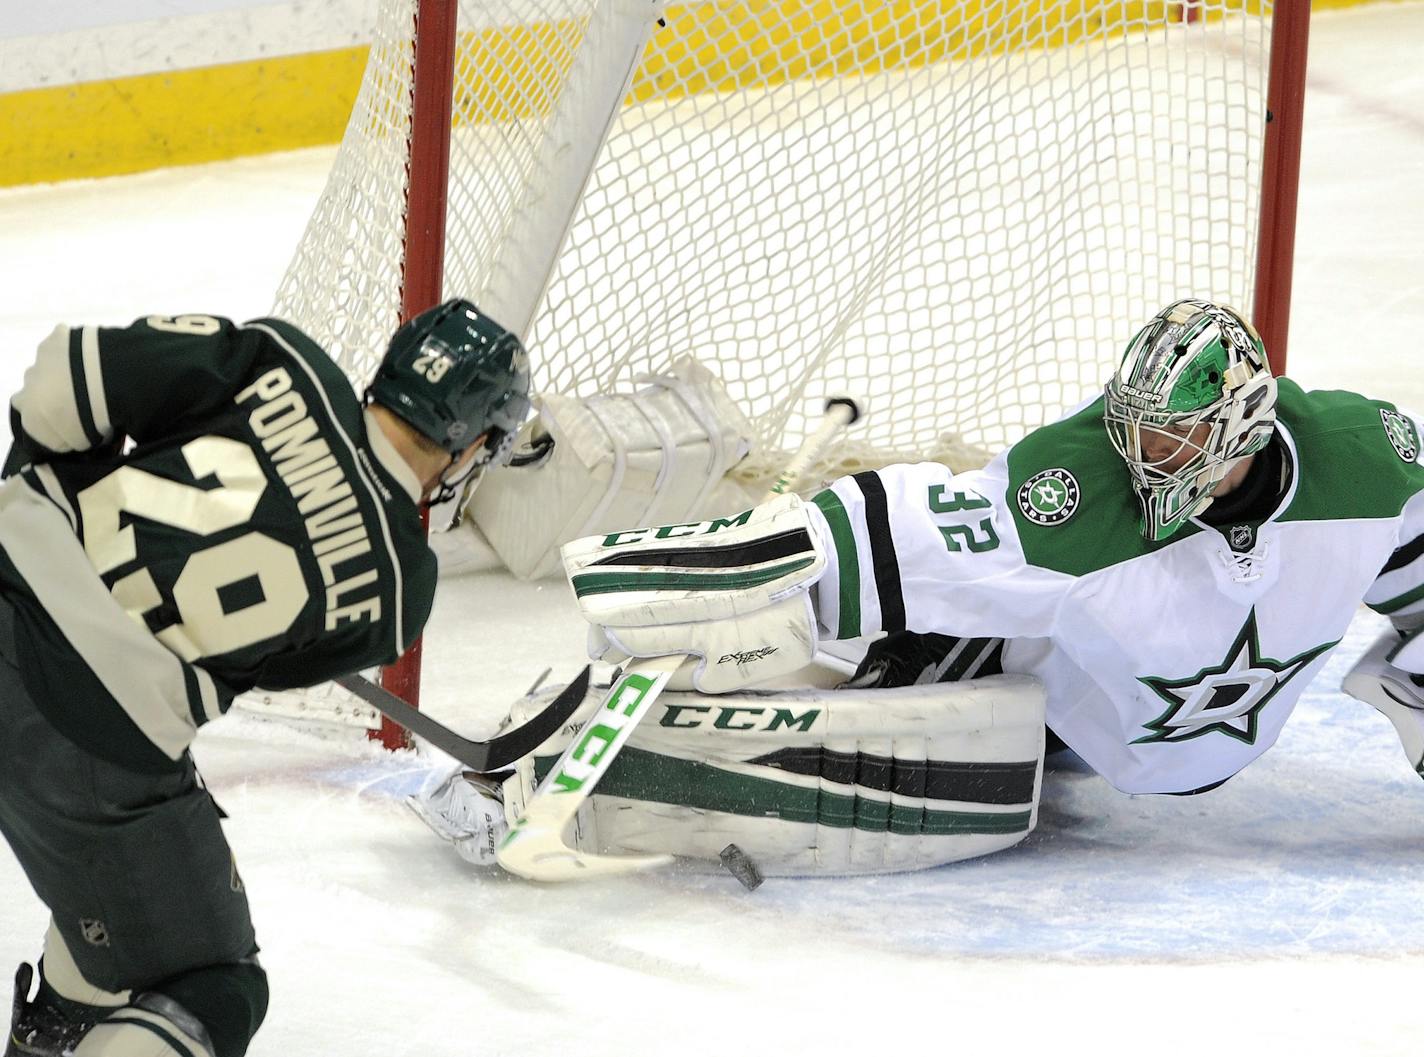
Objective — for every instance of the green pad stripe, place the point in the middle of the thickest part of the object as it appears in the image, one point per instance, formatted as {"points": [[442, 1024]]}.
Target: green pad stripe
{"points": [[665, 580], [641, 775], [847, 565]]}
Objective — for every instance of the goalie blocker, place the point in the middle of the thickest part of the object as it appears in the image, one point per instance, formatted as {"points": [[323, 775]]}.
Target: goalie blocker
{"points": [[732, 593], [810, 781]]}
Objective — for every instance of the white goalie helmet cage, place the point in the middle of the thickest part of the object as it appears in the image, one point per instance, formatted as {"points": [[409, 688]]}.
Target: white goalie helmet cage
{"points": [[1197, 377]]}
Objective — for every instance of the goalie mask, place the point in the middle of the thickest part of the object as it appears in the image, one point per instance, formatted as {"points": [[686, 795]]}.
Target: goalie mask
{"points": [[1192, 397], [454, 374]]}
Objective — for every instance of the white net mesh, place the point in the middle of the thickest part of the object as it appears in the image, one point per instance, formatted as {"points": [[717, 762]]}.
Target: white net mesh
{"points": [[961, 211]]}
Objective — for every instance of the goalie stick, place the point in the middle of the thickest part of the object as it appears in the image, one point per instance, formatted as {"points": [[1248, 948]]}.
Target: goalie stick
{"points": [[483, 756], [534, 847]]}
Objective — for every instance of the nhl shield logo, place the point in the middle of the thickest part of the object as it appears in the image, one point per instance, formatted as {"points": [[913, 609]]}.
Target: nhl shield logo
{"points": [[1049, 497], [94, 931], [1401, 433]]}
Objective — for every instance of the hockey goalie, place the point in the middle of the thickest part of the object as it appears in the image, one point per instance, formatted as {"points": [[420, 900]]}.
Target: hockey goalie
{"points": [[1165, 569]]}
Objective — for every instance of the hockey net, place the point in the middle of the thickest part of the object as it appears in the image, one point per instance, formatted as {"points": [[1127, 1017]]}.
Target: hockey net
{"points": [[956, 210], [959, 211]]}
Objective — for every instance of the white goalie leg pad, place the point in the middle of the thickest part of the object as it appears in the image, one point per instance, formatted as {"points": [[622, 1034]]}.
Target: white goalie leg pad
{"points": [[656, 456], [1376, 681], [819, 781]]}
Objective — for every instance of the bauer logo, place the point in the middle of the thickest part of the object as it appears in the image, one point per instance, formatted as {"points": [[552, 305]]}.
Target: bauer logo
{"points": [[1049, 497], [1138, 397], [1401, 433]]}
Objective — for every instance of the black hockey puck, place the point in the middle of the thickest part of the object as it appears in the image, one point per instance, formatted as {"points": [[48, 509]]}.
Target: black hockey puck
{"points": [[739, 864]]}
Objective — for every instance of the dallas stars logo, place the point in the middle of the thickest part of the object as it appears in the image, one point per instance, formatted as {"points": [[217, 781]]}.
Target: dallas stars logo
{"points": [[1049, 497], [1227, 697], [1401, 433]]}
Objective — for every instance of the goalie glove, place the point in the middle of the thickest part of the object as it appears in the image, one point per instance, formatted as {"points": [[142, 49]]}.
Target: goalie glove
{"points": [[732, 593]]}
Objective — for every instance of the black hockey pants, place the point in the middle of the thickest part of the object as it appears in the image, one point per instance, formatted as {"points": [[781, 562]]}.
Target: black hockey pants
{"points": [[134, 867]]}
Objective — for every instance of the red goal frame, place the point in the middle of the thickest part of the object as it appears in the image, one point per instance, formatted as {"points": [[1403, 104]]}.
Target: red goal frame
{"points": [[422, 269]]}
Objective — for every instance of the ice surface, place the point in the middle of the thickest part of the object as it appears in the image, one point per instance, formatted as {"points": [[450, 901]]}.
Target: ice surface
{"points": [[1285, 910]]}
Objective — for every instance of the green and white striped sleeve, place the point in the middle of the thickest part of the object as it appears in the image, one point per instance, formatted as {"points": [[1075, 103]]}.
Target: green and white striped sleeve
{"points": [[61, 406], [917, 547], [92, 386]]}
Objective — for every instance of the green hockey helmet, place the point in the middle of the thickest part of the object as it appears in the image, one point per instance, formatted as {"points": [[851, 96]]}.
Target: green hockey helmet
{"points": [[1192, 397], [453, 373]]}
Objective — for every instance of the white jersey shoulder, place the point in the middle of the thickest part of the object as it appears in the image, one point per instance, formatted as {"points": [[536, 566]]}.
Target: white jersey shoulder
{"points": [[1169, 666]]}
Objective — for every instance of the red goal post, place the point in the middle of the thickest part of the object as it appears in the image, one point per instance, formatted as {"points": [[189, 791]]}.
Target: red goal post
{"points": [[1280, 181], [423, 262], [957, 208]]}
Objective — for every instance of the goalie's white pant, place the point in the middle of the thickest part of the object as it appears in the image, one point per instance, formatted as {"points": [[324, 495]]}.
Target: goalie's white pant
{"points": [[816, 781]]}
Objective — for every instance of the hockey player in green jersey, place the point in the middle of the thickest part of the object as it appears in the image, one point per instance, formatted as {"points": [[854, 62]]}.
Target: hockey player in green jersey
{"points": [[195, 508], [1173, 561]]}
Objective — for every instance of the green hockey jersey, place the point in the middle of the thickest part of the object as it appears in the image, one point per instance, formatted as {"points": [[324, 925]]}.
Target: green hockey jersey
{"points": [[1169, 666], [196, 508]]}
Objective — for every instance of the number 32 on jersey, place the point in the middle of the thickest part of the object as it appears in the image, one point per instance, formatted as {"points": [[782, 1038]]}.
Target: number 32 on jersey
{"points": [[975, 539]]}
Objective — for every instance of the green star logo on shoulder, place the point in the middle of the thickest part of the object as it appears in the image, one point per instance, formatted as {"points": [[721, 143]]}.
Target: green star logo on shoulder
{"points": [[1401, 433], [1226, 697], [1049, 497]]}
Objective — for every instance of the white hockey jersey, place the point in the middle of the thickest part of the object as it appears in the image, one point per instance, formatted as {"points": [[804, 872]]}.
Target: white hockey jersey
{"points": [[1169, 666]]}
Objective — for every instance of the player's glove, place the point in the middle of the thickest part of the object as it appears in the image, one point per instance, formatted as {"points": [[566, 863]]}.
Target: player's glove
{"points": [[733, 593], [465, 809]]}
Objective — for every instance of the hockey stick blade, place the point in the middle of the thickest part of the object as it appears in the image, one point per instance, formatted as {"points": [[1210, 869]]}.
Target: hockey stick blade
{"points": [[482, 756], [534, 847]]}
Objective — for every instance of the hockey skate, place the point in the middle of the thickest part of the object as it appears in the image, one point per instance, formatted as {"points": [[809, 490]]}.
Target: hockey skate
{"points": [[467, 810], [1394, 692], [42, 1027]]}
